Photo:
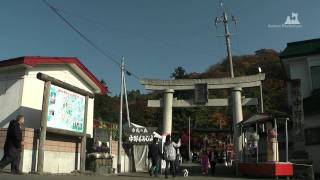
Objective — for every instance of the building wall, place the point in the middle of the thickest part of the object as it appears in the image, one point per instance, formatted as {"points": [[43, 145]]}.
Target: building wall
{"points": [[62, 154], [300, 70], [313, 121], [22, 93], [11, 85], [124, 159], [64, 162], [314, 62]]}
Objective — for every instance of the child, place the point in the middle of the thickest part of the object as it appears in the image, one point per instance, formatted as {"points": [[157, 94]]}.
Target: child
{"points": [[204, 162]]}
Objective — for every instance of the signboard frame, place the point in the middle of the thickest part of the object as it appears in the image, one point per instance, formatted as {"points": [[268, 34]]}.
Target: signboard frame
{"points": [[48, 81]]}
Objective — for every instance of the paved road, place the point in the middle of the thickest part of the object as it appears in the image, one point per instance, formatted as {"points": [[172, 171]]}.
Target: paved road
{"points": [[113, 177], [222, 173]]}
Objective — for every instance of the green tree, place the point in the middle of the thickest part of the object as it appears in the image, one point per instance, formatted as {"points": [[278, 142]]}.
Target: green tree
{"points": [[179, 73], [274, 93]]}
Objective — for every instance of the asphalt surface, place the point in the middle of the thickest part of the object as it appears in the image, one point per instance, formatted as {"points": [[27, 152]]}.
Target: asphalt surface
{"points": [[222, 173], [113, 177]]}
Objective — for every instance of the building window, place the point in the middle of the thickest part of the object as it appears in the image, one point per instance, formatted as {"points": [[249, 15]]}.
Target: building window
{"points": [[312, 136], [315, 75]]}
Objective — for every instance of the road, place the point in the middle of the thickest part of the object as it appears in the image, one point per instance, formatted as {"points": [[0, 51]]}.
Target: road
{"points": [[223, 173], [6, 176]]}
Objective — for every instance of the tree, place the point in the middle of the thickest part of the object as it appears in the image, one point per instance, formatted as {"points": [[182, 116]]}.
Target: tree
{"points": [[179, 73], [274, 93]]}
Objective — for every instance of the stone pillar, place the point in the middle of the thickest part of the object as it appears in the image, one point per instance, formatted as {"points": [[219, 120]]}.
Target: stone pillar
{"points": [[237, 117], [167, 112]]}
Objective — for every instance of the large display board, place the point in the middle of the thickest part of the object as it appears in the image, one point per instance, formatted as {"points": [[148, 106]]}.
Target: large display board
{"points": [[65, 110]]}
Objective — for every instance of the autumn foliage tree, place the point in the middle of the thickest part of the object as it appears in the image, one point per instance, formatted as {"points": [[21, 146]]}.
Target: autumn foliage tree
{"points": [[274, 93]]}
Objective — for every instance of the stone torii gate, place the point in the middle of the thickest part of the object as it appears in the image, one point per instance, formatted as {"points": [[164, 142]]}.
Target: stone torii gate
{"points": [[236, 84]]}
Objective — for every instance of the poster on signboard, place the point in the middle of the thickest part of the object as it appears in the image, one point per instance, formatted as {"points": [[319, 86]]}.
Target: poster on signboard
{"points": [[65, 110]]}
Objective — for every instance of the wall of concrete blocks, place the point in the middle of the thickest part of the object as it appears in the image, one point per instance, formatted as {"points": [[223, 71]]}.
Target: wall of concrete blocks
{"points": [[62, 153]]}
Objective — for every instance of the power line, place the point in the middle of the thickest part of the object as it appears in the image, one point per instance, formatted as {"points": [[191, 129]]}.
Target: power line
{"points": [[132, 34], [114, 60]]}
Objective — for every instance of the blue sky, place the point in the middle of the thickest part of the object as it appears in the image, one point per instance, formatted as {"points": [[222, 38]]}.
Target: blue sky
{"points": [[155, 36]]}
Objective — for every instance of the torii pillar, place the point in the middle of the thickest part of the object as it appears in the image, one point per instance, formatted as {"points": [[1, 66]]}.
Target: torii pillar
{"points": [[167, 112], [237, 118]]}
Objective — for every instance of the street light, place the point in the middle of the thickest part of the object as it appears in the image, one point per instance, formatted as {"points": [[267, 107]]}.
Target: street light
{"points": [[262, 111], [261, 97]]}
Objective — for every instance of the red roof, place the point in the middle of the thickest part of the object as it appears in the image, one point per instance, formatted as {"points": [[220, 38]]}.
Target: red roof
{"points": [[37, 60]]}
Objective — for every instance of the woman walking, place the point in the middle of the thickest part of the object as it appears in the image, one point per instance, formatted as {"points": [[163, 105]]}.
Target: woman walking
{"points": [[169, 153], [204, 162]]}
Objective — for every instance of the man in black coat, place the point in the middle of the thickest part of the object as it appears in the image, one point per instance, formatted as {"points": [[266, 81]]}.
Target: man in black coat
{"points": [[155, 156], [12, 147]]}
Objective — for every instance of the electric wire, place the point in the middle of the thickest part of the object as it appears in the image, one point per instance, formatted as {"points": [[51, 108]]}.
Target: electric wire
{"points": [[114, 60], [118, 30]]}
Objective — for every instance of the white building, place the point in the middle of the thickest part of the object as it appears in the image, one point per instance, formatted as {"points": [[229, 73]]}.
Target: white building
{"points": [[301, 61], [22, 93]]}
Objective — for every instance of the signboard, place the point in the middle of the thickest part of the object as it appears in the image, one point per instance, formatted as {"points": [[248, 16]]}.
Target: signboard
{"points": [[201, 93], [297, 109], [65, 110], [140, 135]]}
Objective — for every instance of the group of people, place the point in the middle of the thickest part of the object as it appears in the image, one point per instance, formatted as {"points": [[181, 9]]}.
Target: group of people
{"points": [[167, 153]]}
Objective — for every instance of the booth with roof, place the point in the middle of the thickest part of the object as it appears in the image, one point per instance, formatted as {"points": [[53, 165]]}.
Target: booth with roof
{"points": [[260, 133]]}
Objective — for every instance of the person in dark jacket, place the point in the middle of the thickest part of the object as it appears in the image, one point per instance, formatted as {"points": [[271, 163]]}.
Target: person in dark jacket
{"points": [[212, 158], [13, 145], [155, 156]]}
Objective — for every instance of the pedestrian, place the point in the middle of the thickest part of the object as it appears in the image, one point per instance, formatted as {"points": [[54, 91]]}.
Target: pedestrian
{"points": [[169, 154], [155, 156], [13, 145], [213, 163], [205, 162], [178, 159]]}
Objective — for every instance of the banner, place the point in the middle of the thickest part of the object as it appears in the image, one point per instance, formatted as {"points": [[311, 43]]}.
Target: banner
{"points": [[65, 110], [140, 135]]}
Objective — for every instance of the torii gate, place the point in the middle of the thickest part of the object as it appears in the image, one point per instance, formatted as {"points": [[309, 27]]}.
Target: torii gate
{"points": [[236, 84]]}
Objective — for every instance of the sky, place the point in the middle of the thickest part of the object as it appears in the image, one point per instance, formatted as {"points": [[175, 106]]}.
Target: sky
{"points": [[154, 36]]}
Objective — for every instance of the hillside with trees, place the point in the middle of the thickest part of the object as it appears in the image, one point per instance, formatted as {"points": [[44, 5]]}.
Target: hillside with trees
{"points": [[274, 94]]}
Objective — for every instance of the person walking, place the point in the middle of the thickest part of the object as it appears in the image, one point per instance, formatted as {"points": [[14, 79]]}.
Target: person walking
{"points": [[213, 163], [205, 162], [155, 156], [169, 153], [13, 145]]}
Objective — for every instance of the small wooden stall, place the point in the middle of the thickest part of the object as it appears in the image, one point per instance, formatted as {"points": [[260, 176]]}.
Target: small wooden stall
{"points": [[252, 164]]}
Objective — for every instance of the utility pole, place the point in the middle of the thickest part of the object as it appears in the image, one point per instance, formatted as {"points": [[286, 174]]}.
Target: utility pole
{"points": [[120, 118], [189, 147], [227, 35], [236, 92]]}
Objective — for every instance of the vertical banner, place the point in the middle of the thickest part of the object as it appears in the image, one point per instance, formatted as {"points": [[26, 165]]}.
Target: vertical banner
{"points": [[66, 110], [297, 110]]}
